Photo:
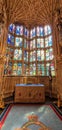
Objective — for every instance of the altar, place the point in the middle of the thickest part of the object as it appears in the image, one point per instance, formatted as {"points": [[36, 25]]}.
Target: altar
{"points": [[29, 93]]}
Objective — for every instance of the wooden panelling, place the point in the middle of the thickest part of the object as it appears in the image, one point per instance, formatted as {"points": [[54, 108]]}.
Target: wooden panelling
{"points": [[30, 93], [10, 82]]}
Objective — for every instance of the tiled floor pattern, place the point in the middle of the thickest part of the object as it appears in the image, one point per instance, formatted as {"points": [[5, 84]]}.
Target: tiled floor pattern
{"points": [[18, 115]]}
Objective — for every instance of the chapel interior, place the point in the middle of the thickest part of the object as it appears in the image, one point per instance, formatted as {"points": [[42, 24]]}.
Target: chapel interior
{"points": [[30, 51]]}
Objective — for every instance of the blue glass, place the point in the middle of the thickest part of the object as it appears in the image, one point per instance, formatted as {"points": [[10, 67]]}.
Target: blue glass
{"points": [[19, 70], [11, 28], [17, 30], [25, 32], [49, 29], [50, 40], [41, 31], [12, 40], [33, 32], [9, 39], [21, 30]]}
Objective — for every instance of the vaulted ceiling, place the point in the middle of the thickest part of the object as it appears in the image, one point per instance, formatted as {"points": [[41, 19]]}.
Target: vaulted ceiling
{"points": [[30, 12]]}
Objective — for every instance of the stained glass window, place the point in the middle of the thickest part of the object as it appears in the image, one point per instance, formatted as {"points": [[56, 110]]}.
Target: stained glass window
{"points": [[19, 30], [47, 30], [31, 56], [31, 69], [50, 53], [46, 42], [10, 39], [33, 32], [9, 52], [38, 31], [32, 50], [18, 54], [11, 28], [39, 55], [41, 31], [42, 55], [25, 68], [8, 68], [19, 69], [42, 42], [47, 69], [52, 69], [25, 55], [50, 40], [34, 69], [38, 43], [34, 55], [25, 32], [47, 54], [14, 71], [31, 45], [39, 69], [18, 42], [43, 69], [25, 43]]}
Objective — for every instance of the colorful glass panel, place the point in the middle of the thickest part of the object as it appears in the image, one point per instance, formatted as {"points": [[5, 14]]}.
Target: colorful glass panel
{"points": [[25, 55], [9, 52], [50, 40], [19, 69], [25, 43], [52, 69], [34, 44], [10, 39], [31, 56], [14, 71], [50, 53], [34, 55], [42, 69], [25, 68], [41, 31], [11, 28], [41, 42], [18, 42], [39, 69], [47, 69], [31, 69], [18, 54], [34, 69], [39, 55], [19, 30], [47, 54], [42, 55], [31, 45], [47, 30], [33, 32], [38, 43], [46, 42], [25, 32], [8, 68], [38, 31]]}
